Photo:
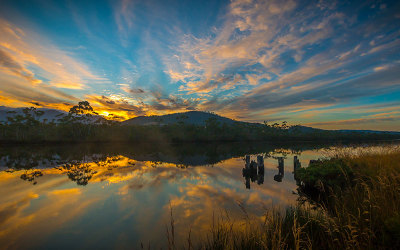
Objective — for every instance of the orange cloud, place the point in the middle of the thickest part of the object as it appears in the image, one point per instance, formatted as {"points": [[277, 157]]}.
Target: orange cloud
{"points": [[71, 191], [55, 69], [67, 85]]}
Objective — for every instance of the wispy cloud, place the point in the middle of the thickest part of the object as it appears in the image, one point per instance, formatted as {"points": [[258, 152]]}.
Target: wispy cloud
{"points": [[56, 66], [357, 121], [24, 52], [276, 58], [248, 59], [254, 37], [8, 64], [124, 18]]}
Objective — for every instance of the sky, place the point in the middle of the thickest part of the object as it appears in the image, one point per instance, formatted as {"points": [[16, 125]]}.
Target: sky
{"points": [[326, 64]]}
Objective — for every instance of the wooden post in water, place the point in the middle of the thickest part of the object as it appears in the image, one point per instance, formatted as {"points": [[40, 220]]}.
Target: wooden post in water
{"points": [[281, 166], [260, 160], [278, 177], [247, 158], [296, 163], [280, 162], [260, 169], [260, 164], [296, 166]]}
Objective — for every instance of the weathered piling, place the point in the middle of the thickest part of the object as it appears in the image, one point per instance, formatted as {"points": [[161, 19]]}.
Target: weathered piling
{"points": [[296, 166], [253, 171], [280, 161], [296, 163], [281, 166], [247, 159], [253, 165], [246, 171], [260, 169], [260, 160], [247, 182], [281, 172], [260, 165]]}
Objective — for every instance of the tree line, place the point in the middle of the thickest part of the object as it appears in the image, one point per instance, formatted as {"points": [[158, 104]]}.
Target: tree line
{"points": [[83, 124]]}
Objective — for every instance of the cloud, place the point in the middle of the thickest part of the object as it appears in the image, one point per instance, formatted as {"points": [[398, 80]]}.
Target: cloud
{"points": [[18, 93], [22, 52], [154, 102], [357, 121], [173, 103], [250, 59], [267, 58], [383, 67], [129, 90], [36, 104], [124, 18], [9, 64], [67, 85], [116, 106], [167, 102], [12, 209], [70, 191], [315, 94], [251, 36]]}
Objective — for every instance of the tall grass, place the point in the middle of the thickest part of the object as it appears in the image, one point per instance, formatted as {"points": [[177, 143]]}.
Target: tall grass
{"points": [[365, 214], [370, 205]]}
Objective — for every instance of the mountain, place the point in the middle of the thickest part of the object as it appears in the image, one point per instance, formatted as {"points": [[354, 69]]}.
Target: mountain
{"points": [[304, 129], [200, 118], [349, 131], [191, 117], [48, 114], [309, 130]]}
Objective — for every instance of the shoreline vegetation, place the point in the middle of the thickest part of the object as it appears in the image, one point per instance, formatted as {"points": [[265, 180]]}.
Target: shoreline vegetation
{"points": [[82, 124], [347, 201]]}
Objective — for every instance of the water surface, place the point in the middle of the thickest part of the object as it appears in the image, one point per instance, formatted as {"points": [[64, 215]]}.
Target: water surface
{"points": [[119, 196]]}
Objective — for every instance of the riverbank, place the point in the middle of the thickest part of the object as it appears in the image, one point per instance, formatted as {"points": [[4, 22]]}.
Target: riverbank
{"points": [[26, 133], [352, 202]]}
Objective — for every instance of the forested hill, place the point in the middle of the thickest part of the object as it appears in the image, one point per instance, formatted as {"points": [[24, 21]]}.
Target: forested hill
{"points": [[82, 124], [43, 115], [190, 117]]}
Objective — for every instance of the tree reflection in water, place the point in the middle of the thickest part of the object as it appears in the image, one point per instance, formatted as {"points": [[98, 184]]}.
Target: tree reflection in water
{"points": [[80, 173], [83, 161], [31, 176]]}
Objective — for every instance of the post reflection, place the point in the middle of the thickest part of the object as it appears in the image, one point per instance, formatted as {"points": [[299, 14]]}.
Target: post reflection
{"points": [[281, 170], [253, 171], [92, 189]]}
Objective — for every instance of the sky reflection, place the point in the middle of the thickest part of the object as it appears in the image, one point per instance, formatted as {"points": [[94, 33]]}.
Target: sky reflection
{"points": [[115, 201], [127, 201]]}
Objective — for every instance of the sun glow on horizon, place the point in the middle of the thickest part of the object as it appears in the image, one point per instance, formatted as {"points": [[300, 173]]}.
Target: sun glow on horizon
{"points": [[338, 66]]}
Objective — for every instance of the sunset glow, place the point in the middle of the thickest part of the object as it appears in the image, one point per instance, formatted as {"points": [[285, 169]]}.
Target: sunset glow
{"points": [[325, 64]]}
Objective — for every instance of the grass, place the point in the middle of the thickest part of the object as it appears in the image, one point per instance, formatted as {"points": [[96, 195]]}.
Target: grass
{"points": [[362, 211]]}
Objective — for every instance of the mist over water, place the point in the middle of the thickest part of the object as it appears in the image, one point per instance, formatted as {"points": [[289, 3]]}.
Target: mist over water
{"points": [[120, 195]]}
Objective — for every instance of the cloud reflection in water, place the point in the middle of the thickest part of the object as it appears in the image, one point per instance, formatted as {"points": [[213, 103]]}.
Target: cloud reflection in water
{"points": [[118, 201]]}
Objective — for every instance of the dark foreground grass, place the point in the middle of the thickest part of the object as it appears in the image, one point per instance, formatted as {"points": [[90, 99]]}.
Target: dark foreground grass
{"points": [[361, 210]]}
